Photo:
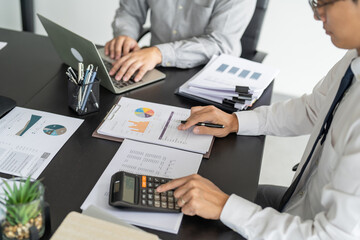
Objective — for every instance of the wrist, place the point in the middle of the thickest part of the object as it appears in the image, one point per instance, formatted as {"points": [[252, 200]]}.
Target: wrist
{"points": [[157, 54], [234, 123]]}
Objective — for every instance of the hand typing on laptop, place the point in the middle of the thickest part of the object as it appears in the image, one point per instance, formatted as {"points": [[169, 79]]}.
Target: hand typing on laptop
{"points": [[130, 59]]}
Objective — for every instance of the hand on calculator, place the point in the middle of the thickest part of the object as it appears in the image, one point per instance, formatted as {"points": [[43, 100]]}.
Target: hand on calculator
{"points": [[197, 196]]}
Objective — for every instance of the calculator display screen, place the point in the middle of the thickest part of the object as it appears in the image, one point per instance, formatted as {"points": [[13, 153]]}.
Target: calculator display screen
{"points": [[128, 189]]}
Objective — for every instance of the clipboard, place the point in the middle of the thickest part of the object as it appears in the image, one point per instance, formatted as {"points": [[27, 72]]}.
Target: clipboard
{"points": [[117, 139]]}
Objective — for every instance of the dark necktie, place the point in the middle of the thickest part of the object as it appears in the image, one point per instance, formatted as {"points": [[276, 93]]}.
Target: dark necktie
{"points": [[344, 85]]}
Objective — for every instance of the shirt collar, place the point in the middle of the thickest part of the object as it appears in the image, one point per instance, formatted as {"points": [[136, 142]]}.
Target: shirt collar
{"points": [[355, 67]]}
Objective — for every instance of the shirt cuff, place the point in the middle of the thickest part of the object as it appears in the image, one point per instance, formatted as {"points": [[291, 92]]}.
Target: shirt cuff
{"points": [[237, 212], [168, 55], [249, 123]]}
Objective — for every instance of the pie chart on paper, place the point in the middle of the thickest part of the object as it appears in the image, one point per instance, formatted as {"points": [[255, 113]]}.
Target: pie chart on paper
{"points": [[144, 112], [54, 130]]}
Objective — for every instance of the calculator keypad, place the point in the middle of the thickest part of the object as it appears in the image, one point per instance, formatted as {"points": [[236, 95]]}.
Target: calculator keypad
{"points": [[150, 197]]}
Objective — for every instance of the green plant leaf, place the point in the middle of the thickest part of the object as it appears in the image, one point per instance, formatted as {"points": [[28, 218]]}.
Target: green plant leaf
{"points": [[24, 190]]}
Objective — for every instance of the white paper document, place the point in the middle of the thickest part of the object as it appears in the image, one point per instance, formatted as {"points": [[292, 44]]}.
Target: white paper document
{"points": [[29, 139], [153, 123], [226, 72], [147, 159], [2, 45], [219, 80]]}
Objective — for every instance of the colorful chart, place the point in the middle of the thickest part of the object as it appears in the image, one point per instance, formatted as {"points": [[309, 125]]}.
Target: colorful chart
{"points": [[29, 124], [54, 130], [144, 112], [139, 126]]}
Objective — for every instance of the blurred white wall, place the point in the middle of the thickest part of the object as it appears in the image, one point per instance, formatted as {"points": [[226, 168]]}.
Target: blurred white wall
{"points": [[298, 45], [295, 42]]}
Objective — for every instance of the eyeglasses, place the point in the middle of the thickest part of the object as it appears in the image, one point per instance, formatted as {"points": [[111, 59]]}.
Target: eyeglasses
{"points": [[315, 5]]}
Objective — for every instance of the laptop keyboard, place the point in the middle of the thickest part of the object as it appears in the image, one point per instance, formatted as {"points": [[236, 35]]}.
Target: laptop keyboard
{"points": [[121, 83]]}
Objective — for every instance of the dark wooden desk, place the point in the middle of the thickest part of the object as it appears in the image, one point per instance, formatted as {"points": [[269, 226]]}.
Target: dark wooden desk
{"points": [[33, 75]]}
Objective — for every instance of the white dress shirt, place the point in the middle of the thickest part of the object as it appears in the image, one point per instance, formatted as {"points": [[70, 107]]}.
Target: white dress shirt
{"points": [[187, 32], [326, 203]]}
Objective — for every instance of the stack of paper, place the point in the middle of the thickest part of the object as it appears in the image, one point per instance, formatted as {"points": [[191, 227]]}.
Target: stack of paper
{"points": [[153, 160], [231, 81]]}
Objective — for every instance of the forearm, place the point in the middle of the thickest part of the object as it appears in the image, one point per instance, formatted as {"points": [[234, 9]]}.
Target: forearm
{"points": [[197, 50], [289, 118], [252, 222]]}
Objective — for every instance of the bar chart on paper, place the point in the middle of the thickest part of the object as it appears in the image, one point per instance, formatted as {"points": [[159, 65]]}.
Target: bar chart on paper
{"points": [[154, 123], [244, 73]]}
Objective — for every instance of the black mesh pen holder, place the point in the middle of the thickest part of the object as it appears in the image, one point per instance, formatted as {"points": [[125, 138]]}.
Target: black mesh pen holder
{"points": [[84, 98]]}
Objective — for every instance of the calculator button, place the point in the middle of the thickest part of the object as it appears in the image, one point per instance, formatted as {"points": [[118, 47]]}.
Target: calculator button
{"points": [[150, 202], [157, 197], [177, 206], [163, 194], [162, 181], [150, 179], [150, 190], [143, 196], [143, 184], [156, 185], [150, 196], [157, 193], [143, 190], [157, 204], [164, 204], [163, 198], [143, 202], [170, 199], [171, 205], [150, 184], [170, 193], [143, 178], [156, 180]]}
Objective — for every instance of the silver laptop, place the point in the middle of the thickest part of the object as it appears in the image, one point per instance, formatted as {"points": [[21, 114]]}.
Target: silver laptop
{"points": [[73, 49]]}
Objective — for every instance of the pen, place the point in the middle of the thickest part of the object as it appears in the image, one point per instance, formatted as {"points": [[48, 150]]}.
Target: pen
{"points": [[71, 78], [211, 125], [80, 72], [85, 83], [89, 83], [71, 71], [94, 99]]}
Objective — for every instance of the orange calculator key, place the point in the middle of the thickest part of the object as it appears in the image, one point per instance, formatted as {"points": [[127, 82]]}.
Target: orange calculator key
{"points": [[143, 181]]}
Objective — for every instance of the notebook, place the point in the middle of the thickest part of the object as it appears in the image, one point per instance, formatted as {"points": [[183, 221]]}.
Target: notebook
{"points": [[73, 49]]}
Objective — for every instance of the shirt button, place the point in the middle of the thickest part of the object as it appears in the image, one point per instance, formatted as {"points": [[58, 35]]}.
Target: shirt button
{"points": [[301, 193], [174, 32], [168, 64], [180, 7]]}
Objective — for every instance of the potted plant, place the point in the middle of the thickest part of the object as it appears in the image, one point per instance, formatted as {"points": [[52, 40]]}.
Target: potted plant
{"points": [[23, 203]]}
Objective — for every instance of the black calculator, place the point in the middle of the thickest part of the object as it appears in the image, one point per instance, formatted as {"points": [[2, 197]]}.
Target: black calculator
{"points": [[138, 192]]}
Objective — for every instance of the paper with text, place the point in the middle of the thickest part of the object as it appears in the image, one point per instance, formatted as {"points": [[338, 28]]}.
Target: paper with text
{"points": [[153, 123], [148, 159], [29, 139]]}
